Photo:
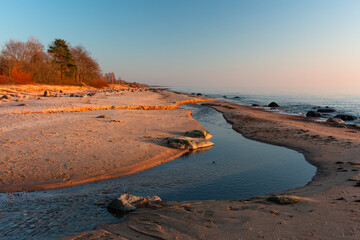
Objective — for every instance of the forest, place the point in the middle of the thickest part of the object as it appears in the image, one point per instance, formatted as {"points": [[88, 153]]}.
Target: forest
{"points": [[60, 64]]}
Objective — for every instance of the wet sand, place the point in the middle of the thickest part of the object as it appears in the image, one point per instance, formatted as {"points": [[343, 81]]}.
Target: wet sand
{"points": [[328, 207], [59, 141]]}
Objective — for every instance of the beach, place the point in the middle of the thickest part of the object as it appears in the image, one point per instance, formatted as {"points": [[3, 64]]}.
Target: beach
{"points": [[80, 135], [328, 206]]}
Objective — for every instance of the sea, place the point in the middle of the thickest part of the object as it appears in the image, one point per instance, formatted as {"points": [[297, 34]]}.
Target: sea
{"points": [[293, 104]]}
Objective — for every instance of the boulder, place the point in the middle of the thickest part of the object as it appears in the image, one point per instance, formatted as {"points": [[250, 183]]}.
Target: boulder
{"points": [[198, 134], [273, 105], [335, 120], [326, 110], [129, 202], [255, 105], [313, 114], [188, 143], [46, 94], [5, 97], [346, 117]]}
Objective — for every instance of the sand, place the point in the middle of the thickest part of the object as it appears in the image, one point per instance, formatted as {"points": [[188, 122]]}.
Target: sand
{"points": [[328, 207], [53, 142]]}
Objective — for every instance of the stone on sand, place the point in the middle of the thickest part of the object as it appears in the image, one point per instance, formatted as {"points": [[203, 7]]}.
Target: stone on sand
{"points": [[129, 202], [188, 143], [198, 134]]}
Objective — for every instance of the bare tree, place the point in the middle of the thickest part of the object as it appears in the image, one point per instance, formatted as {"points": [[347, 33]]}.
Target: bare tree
{"points": [[88, 69]]}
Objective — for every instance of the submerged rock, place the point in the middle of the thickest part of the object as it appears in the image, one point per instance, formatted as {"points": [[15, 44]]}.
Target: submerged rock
{"points": [[346, 117], [313, 114], [273, 105], [198, 134], [188, 143], [129, 202]]}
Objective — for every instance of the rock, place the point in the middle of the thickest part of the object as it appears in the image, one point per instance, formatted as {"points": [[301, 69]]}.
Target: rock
{"points": [[101, 116], [61, 91], [72, 95], [188, 143], [255, 105], [283, 200], [5, 97], [199, 94], [335, 120], [198, 134], [46, 94], [346, 117], [129, 202], [236, 97], [326, 110], [273, 105], [224, 96], [313, 114], [23, 105]]}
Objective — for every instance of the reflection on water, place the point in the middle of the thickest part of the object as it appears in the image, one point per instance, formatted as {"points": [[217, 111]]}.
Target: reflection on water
{"points": [[234, 168]]}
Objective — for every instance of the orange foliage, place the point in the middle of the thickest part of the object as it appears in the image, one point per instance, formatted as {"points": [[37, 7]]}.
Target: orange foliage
{"points": [[4, 80], [99, 83], [18, 76]]}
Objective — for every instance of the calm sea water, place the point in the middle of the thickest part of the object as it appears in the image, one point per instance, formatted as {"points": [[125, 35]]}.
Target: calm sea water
{"points": [[234, 168], [298, 104]]}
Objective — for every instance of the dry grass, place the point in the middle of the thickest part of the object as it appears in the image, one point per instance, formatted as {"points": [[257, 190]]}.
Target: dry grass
{"points": [[39, 88], [139, 107]]}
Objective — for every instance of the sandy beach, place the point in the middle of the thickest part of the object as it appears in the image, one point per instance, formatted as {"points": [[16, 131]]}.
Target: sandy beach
{"points": [[80, 135], [328, 207]]}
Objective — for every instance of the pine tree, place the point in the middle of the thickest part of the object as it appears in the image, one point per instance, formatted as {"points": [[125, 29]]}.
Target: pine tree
{"points": [[59, 50]]}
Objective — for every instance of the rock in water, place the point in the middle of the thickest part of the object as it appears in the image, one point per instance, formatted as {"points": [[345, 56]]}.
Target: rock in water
{"points": [[101, 116], [198, 134], [273, 104], [313, 114], [335, 120], [188, 143], [346, 117], [129, 202], [326, 110]]}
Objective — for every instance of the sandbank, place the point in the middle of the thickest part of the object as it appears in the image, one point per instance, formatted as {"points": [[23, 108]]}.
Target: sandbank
{"points": [[60, 141]]}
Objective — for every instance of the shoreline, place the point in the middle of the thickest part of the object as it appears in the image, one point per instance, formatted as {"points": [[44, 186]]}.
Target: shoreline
{"points": [[66, 146], [328, 197]]}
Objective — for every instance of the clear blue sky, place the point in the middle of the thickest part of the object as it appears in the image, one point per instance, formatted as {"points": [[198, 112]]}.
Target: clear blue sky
{"points": [[251, 45]]}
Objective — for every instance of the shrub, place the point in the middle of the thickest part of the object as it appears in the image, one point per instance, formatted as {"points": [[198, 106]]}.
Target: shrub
{"points": [[99, 83], [4, 80], [20, 77]]}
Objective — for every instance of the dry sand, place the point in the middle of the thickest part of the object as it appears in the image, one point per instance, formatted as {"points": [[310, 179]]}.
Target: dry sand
{"points": [[42, 150], [329, 206]]}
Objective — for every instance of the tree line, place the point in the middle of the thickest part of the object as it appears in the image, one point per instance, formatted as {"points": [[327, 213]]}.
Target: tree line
{"points": [[28, 62]]}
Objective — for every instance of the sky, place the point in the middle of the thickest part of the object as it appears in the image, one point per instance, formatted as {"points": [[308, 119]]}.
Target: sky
{"points": [[251, 45]]}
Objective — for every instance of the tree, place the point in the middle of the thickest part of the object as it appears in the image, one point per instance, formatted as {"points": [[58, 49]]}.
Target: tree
{"points": [[61, 55], [13, 54], [88, 70]]}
